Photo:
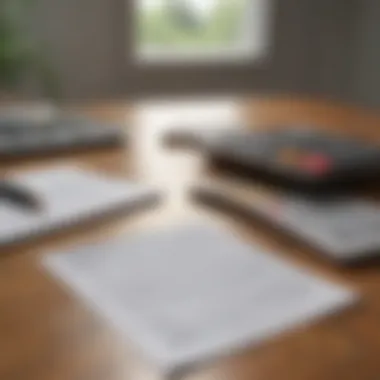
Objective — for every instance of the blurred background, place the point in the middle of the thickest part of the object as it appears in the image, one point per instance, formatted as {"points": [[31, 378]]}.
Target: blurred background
{"points": [[111, 60], [97, 49]]}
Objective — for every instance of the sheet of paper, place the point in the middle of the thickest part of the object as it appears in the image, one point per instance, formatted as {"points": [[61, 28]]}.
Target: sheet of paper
{"points": [[195, 292], [67, 195]]}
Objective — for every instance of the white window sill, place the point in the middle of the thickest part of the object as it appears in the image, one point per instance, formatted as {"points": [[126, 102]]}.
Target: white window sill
{"points": [[227, 56]]}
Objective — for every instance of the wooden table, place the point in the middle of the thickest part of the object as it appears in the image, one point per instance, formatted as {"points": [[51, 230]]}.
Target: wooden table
{"points": [[46, 334]]}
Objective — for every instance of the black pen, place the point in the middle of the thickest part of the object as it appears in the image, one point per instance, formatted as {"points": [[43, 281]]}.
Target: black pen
{"points": [[19, 195]]}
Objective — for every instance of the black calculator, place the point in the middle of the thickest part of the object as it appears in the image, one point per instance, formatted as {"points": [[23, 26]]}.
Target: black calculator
{"points": [[299, 158]]}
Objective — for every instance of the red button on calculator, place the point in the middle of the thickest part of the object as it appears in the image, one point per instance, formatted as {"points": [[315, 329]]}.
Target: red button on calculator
{"points": [[316, 164]]}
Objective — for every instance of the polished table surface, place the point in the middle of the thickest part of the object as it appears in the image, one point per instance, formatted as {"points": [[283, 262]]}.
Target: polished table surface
{"points": [[46, 334]]}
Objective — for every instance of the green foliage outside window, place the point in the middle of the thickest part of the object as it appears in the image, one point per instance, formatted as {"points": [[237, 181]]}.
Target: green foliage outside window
{"points": [[169, 26]]}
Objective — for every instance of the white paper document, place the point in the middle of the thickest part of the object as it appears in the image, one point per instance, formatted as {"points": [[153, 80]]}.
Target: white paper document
{"points": [[67, 195], [193, 293]]}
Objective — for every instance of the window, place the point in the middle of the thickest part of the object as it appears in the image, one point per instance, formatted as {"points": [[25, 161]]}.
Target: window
{"points": [[197, 30]]}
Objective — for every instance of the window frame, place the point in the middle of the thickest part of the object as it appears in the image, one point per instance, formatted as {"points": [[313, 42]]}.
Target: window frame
{"points": [[256, 49]]}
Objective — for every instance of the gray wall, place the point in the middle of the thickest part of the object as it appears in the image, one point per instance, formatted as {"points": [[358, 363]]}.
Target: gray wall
{"points": [[322, 47], [349, 51], [332, 48], [83, 41], [366, 75]]}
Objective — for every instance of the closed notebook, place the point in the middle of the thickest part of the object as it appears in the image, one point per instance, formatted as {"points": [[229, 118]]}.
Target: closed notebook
{"points": [[342, 228], [18, 137], [65, 196]]}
